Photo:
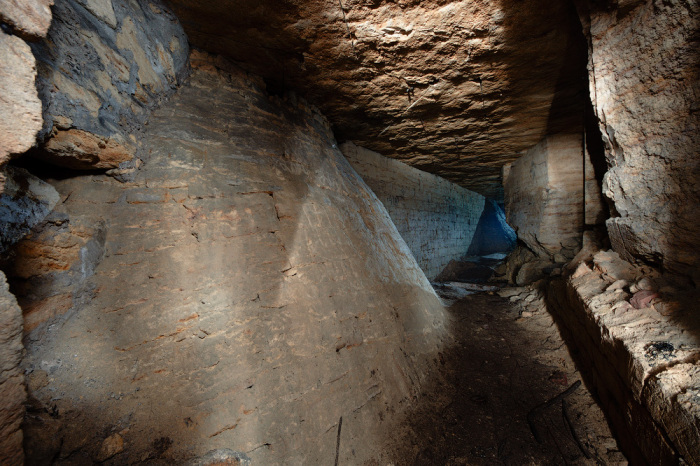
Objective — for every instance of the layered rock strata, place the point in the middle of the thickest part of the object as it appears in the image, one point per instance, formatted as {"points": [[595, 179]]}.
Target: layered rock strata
{"points": [[456, 88], [643, 66], [436, 218], [20, 121], [254, 298], [544, 197], [638, 344], [102, 69]]}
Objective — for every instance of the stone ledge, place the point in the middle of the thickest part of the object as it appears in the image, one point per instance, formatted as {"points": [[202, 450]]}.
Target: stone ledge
{"points": [[641, 357]]}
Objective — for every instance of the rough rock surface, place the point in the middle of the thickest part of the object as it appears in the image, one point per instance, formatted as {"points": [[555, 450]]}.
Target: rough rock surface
{"points": [[49, 270], [456, 88], [436, 218], [12, 390], [253, 294], [28, 18], [20, 108], [544, 196], [642, 361], [103, 67], [596, 212], [25, 201], [644, 61]]}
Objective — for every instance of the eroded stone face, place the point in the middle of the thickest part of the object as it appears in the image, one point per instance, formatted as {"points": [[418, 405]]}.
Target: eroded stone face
{"points": [[20, 118], [644, 63], [456, 88], [103, 67], [28, 18], [12, 391]]}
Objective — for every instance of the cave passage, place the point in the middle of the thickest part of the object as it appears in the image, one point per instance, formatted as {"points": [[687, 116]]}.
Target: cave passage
{"points": [[349, 232], [176, 325]]}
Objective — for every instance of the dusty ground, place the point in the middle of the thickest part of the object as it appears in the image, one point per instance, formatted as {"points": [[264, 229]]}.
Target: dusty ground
{"points": [[507, 360]]}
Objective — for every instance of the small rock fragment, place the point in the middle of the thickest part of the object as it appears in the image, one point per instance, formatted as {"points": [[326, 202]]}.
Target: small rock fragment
{"points": [[111, 446], [618, 285], [581, 270], [645, 284], [642, 299]]}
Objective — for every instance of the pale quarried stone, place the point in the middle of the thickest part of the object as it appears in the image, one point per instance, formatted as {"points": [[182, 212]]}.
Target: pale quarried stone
{"points": [[456, 87], [544, 196], [20, 115], [436, 218], [642, 361], [12, 389], [29, 18], [643, 66], [103, 67], [249, 270], [673, 397]]}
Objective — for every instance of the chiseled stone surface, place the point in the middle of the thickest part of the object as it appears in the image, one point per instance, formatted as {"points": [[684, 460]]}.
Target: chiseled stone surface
{"points": [[12, 390], [544, 196], [20, 115], [436, 218], [253, 293], [644, 85], [640, 359], [453, 87], [103, 67], [28, 18]]}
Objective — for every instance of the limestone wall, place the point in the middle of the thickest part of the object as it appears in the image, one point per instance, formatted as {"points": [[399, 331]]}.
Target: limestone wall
{"points": [[544, 196], [253, 295], [643, 61], [436, 218], [102, 68]]}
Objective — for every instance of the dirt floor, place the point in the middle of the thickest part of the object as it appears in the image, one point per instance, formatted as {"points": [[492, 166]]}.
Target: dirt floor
{"points": [[508, 379]]}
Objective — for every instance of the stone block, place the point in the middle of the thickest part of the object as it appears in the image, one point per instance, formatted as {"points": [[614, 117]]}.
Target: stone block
{"points": [[29, 18], [544, 196], [20, 119]]}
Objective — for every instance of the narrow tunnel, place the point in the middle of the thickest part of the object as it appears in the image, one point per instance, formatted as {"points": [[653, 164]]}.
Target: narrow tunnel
{"points": [[349, 232]]}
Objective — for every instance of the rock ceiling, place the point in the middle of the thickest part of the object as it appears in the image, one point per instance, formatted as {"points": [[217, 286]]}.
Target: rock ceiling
{"points": [[456, 88]]}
